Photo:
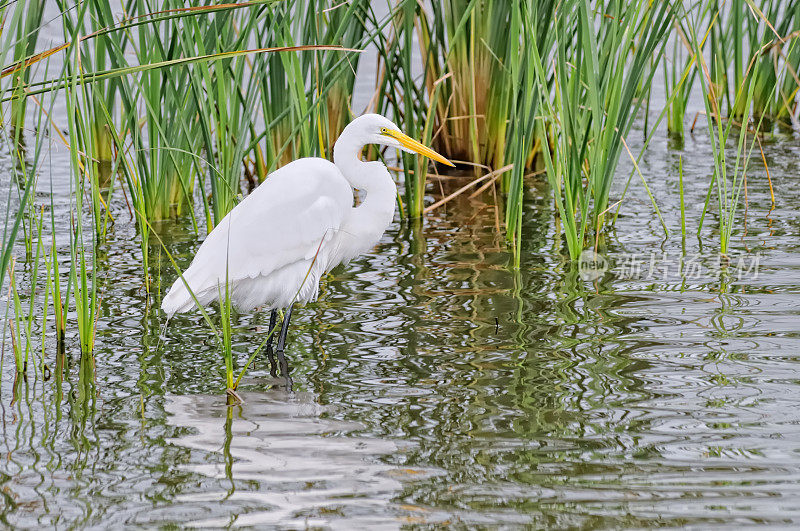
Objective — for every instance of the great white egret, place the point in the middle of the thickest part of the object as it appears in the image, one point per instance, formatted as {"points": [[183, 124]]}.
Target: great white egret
{"points": [[274, 246]]}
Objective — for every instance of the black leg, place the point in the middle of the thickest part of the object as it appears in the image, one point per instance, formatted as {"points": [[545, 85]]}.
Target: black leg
{"points": [[282, 342], [273, 318]]}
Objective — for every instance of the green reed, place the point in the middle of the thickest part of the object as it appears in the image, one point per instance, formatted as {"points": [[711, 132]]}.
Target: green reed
{"points": [[54, 283], [465, 101], [22, 326], [305, 98], [399, 97], [602, 63], [25, 23], [682, 202], [158, 168], [679, 75], [525, 105], [475, 102], [283, 102], [225, 315], [728, 182], [758, 40], [749, 81], [334, 74], [223, 334], [23, 229], [84, 274], [224, 92], [788, 80], [17, 43], [771, 32], [480, 93]]}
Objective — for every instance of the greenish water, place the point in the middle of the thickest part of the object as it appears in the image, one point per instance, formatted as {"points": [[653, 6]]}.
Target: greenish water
{"points": [[434, 384]]}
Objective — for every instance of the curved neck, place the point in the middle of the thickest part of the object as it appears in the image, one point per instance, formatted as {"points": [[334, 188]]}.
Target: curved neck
{"points": [[369, 220], [370, 177], [347, 157]]}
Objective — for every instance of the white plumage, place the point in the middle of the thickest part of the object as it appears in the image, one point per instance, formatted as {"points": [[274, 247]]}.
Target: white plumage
{"points": [[274, 246]]}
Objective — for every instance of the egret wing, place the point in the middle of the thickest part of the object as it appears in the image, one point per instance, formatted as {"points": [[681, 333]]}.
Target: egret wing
{"points": [[292, 217]]}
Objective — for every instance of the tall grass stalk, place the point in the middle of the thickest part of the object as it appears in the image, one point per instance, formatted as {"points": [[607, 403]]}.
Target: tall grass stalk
{"points": [[682, 202], [728, 182], [770, 53], [85, 185], [25, 23], [601, 66], [225, 316], [23, 227], [157, 164], [23, 333], [223, 335], [305, 98], [530, 89], [224, 92], [754, 39], [25, 161], [677, 83]]}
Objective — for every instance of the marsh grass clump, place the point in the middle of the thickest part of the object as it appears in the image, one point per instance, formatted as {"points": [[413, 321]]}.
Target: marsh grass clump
{"points": [[305, 98], [472, 94], [751, 40], [729, 172], [473, 51], [84, 275], [747, 58], [601, 66]]}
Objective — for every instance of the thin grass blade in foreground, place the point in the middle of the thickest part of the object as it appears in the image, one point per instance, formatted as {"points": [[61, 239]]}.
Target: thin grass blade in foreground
{"points": [[41, 87]]}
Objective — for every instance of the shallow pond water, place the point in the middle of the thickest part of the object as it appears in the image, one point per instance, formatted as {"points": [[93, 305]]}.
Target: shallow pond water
{"points": [[433, 383]]}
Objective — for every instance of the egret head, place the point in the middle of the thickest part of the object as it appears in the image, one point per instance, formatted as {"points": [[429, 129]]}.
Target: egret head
{"points": [[376, 129]]}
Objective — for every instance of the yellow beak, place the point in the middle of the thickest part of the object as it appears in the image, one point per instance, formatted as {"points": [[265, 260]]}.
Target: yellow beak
{"points": [[409, 143]]}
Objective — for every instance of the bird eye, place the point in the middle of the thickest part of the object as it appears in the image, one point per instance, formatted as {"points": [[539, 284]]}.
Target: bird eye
{"points": [[383, 130]]}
